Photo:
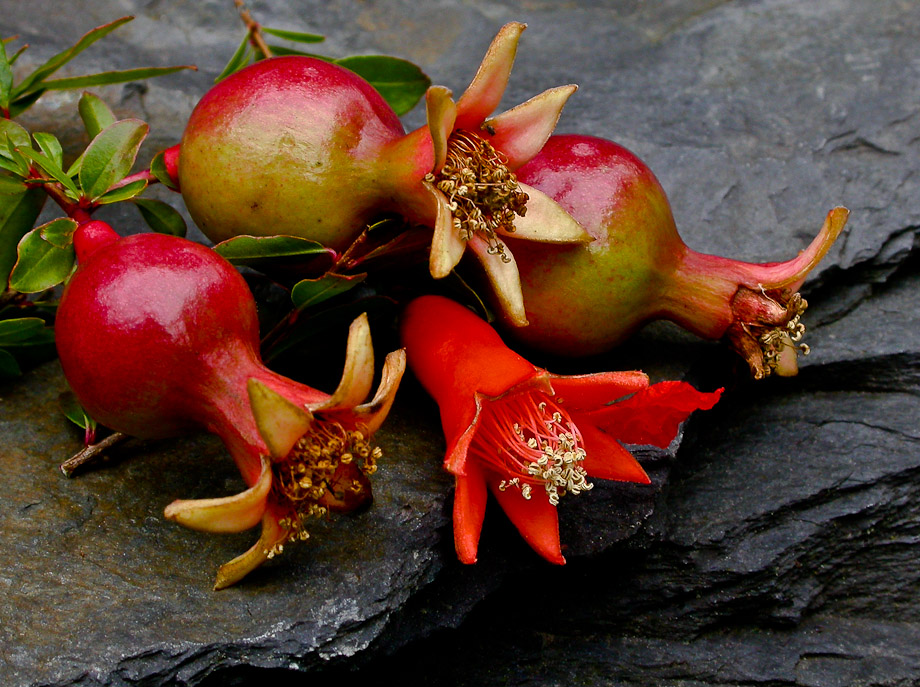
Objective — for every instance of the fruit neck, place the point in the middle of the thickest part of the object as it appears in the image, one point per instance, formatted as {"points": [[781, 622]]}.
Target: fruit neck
{"points": [[228, 412], [403, 165], [719, 298]]}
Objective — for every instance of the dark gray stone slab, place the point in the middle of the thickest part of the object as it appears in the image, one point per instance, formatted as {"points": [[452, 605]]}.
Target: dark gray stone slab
{"points": [[783, 550]]}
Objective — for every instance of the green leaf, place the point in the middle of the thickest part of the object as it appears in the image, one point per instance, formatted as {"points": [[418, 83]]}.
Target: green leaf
{"points": [[41, 265], [110, 156], [296, 36], [18, 212], [33, 81], [310, 292], [74, 412], [283, 51], [120, 193], [104, 78], [95, 113], [242, 57], [162, 217], [18, 136], [8, 366], [11, 185], [25, 331], [6, 78], [158, 169], [59, 232], [20, 105], [54, 170], [51, 147], [248, 250], [401, 83]]}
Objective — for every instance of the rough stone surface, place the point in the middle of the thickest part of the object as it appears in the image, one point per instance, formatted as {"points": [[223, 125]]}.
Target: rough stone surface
{"points": [[781, 549]]}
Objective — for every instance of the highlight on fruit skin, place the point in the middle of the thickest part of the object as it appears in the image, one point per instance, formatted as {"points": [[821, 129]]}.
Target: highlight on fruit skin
{"points": [[158, 335], [587, 298], [526, 435], [309, 149]]}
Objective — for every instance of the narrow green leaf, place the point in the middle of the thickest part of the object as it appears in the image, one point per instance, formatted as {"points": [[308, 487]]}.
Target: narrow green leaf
{"points": [[310, 292], [9, 368], [20, 105], [6, 78], [162, 217], [59, 232], [95, 113], [74, 412], [158, 169], [51, 147], [18, 164], [110, 156], [75, 166], [104, 78], [54, 170], [120, 193], [10, 166], [296, 36], [18, 212], [246, 250], [15, 55], [41, 265], [240, 58], [24, 331], [401, 83], [283, 51], [33, 81]]}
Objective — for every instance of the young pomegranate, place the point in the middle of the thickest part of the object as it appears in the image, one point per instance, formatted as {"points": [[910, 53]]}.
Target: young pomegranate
{"points": [[158, 335], [299, 146], [526, 435], [587, 298]]}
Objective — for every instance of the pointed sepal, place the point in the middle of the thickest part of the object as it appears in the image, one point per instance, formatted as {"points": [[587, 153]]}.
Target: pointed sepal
{"points": [[280, 422], [235, 513], [358, 374], [486, 89]]}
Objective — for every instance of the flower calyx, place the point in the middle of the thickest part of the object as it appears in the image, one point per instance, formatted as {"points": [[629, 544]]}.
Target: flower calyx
{"points": [[317, 459], [475, 195]]}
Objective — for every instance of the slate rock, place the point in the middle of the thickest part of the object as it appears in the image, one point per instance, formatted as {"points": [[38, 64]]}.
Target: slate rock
{"points": [[781, 550]]}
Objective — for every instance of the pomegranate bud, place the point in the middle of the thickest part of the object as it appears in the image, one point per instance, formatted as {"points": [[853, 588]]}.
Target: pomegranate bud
{"points": [[91, 236], [171, 162]]}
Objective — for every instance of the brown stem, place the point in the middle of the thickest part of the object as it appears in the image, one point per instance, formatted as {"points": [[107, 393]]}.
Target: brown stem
{"points": [[255, 32], [91, 452]]}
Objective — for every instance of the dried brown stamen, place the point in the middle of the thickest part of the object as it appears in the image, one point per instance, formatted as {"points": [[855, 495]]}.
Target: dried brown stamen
{"points": [[329, 462], [483, 194]]}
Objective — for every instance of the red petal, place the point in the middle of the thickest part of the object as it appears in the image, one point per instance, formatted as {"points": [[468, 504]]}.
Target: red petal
{"points": [[469, 510], [607, 459], [590, 392], [652, 416], [535, 518]]}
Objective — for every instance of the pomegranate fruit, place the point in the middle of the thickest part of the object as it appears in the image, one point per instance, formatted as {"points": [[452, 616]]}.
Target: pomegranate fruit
{"points": [[585, 299], [158, 335], [299, 146]]}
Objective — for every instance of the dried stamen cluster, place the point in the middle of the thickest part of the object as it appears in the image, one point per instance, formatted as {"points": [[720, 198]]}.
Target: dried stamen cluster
{"points": [[483, 194], [533, 440], [310, 472], [789, 336]]}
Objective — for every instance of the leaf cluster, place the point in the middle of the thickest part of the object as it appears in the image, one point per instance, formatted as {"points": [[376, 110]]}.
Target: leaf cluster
{"points": [[16, 98]]}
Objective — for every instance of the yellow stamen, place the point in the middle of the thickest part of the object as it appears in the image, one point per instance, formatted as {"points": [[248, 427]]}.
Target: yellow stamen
{"points": [[532, 440], [483, 194]]}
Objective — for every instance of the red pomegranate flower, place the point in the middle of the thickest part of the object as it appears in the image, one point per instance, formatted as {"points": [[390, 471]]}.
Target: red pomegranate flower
{"points": [[528, 435]]}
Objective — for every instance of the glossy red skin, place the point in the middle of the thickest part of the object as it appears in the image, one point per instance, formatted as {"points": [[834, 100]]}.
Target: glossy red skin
{"points": [[158, 335], [586, 298], [289, 145]]}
